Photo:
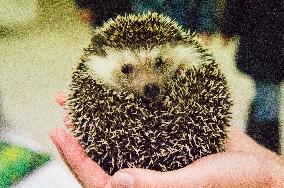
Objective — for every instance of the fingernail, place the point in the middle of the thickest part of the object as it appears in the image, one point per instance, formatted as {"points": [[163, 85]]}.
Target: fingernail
{"points": [[61, 98], [122, 180], [67, 122]]}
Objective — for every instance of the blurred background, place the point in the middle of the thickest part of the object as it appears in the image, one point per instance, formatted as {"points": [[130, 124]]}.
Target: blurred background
{"points": [[40, 42]]}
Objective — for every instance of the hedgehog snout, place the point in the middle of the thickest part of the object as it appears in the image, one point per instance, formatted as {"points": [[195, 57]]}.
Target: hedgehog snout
{"points": [[151, 90]]}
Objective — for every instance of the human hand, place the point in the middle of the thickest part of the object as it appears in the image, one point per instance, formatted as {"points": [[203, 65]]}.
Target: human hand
{"points": [[87, 172], [244, 164]]}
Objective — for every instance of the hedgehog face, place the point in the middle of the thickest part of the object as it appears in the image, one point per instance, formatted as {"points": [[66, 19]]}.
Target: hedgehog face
{"points": [[143, 71]]}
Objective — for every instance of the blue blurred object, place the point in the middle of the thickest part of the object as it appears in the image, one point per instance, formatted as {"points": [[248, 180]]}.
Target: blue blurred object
{"points": [[266, 102], [196, 15]]}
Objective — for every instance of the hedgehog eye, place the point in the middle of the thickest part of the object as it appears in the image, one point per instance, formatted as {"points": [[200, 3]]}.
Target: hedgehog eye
{"points": [[159, 62], [127, 68]]}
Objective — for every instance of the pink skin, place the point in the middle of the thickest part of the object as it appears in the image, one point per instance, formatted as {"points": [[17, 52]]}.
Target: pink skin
{"points": [[87, 172], [244, 164], [61, 99]]}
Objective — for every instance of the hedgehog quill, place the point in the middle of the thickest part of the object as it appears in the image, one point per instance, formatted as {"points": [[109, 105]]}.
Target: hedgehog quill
{"points": [[146, 94]]}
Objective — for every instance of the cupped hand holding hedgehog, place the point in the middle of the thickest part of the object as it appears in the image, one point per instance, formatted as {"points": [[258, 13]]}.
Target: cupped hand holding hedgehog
{"points": [[146, 95], [244, 164]]}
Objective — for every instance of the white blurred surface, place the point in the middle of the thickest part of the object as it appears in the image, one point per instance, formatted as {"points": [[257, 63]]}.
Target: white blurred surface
{"points": [[17, 11], [52, 175]]}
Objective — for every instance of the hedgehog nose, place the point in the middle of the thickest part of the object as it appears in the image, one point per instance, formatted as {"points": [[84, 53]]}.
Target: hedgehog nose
{"points": [[151, 90]]}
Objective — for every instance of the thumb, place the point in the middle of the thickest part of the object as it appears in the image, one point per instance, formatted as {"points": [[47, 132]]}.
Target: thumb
{"points": [[141, 178], [218, 170]]}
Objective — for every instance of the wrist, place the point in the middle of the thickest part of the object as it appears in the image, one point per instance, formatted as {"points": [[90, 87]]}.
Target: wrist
{"points": [[275, 173]]}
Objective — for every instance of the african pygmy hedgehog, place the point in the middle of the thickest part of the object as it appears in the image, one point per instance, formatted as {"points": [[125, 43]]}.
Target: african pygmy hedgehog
{"points": [[146, 94]]}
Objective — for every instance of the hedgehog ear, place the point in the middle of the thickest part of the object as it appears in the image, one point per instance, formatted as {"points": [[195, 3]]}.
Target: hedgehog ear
{"points": [[95, 50], [98, 46], [99, 51]]}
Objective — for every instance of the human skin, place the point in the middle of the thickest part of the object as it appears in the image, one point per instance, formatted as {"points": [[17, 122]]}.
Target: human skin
{"points": [[244, 164]]}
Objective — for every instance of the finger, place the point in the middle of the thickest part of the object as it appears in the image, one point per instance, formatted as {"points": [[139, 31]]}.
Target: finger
{"points": [[67, 121], [87, 171], [61, 98], [139, 178], [220, 170]]}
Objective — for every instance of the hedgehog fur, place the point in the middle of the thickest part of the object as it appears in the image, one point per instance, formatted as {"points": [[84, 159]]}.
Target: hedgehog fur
{"points": [[146, 94]]}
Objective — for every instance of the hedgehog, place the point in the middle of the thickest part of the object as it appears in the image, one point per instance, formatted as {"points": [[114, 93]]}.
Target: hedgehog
{"points": [[146, 94]]}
